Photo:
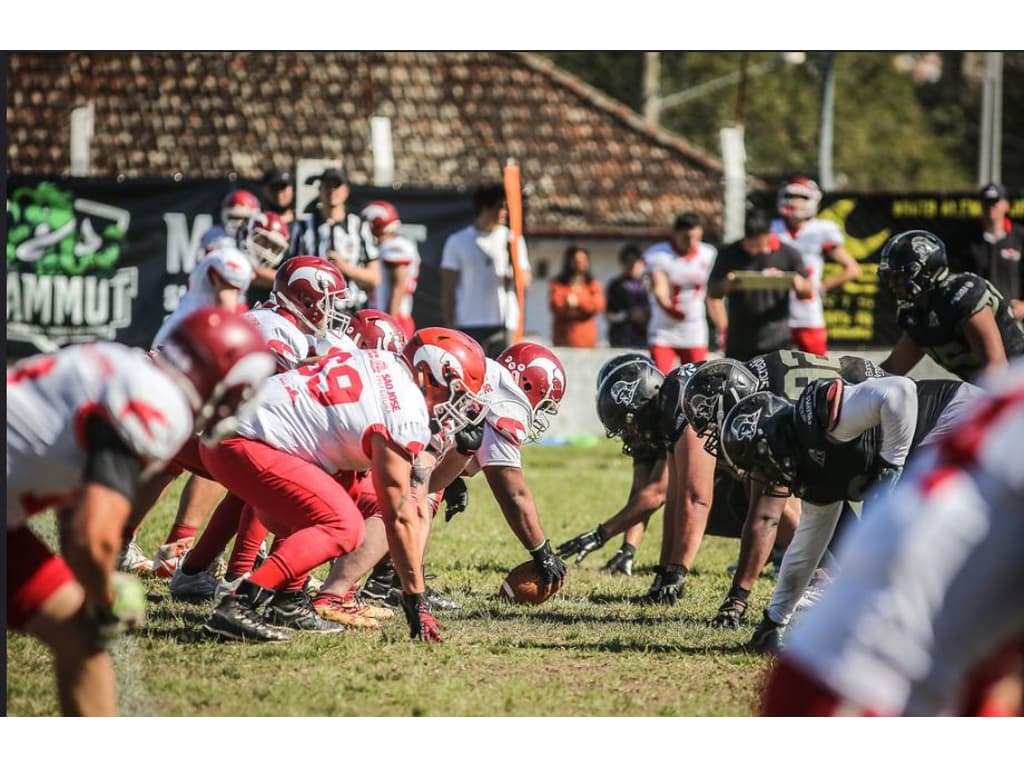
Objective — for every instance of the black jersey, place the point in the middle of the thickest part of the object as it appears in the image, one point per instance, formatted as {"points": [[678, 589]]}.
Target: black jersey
{"points": [[937, 326], [671, 418], [785, 373]]}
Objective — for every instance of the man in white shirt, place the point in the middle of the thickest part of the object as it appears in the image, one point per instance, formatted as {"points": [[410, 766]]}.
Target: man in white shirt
{"points": [[478, 293]]}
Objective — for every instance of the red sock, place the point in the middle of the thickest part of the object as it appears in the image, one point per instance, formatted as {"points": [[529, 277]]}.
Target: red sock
{"points": [[179, 531], [218, 533], [251, 533], [272, 575]]}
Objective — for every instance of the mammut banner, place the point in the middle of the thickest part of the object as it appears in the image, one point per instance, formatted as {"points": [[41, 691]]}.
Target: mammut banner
{"points": [[92, 258], [861, 313]]}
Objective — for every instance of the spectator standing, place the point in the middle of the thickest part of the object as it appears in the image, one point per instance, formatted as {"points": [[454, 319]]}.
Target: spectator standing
{"points": [[277, 189], [401, 264], [332, 233], [757, 320], [816, 240], [679, 269], [478, 293], [628, 304], [576, 299], [995, 253]]}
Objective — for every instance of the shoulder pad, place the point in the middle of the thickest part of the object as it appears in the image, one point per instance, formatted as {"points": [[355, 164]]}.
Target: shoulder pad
{"points": [[817, 411]]}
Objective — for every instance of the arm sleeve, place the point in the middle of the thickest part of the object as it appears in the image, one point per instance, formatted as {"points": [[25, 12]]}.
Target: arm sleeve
{"points": [[890, 402]]}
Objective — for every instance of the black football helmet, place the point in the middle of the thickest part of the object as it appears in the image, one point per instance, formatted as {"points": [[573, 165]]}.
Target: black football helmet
{"points": [[615, 362], [912, 263], [711, 392], [627, 404], [758, 437], [670, 402]]}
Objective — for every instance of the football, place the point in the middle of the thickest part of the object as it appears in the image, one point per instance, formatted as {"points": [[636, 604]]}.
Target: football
{"points": [[524, 585]]}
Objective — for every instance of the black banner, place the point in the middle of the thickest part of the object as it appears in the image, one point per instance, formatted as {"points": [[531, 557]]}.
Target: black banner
{"points": [[860, 313], [91, 258]]}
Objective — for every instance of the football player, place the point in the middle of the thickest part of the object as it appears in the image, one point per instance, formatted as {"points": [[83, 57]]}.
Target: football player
{"points": [[235, 209], [400, 261], [838, 442], [296, 459], [265, 240], [924, 595], [959, 320], [83, 426]]}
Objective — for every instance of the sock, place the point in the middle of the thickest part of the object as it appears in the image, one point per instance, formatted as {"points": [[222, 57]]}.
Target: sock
{"points": [[179, 531]]}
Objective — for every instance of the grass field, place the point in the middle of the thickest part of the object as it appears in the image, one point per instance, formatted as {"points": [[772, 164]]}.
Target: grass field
{"points": [[588, 651]]}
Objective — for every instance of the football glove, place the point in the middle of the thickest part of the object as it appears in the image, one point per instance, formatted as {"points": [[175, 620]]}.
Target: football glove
{"points": [[468, 439], [888, 476], [551, 567], [422, 624], [127, 611], [622, 561], [669, 585], [584, 544], [456, 498]]}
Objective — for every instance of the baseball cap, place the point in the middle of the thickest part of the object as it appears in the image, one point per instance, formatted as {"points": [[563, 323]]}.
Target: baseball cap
{"points": [[277, 176], [993, 192]]}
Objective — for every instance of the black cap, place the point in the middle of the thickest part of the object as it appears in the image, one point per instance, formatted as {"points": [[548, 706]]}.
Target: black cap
{"points": [[277, 176], [993, 193], [333, 176], [686, 221]]}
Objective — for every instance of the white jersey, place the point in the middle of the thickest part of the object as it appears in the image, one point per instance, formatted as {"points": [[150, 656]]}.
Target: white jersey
{"points": [[688, 288], [331, 342], [507, 423], [925, 584], [327, 412], [398, 251], [48, 400], [230, 264], [485, 295], [814, 240], [289, 345]]}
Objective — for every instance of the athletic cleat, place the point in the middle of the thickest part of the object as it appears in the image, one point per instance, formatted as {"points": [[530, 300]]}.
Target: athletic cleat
{"points": [[373, 611], [767, 637], [730, 614], [334, 608], [226, 586], [235, 618], [168, 556], [294, 610], [379, 583], [133, 560], [193, 586]]}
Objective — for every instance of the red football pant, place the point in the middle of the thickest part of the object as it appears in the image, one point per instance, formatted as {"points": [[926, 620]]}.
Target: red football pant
{"points": [[312, 517], [665, 357], [188, 460], [811, 340], [34, 573], [791, 692]]}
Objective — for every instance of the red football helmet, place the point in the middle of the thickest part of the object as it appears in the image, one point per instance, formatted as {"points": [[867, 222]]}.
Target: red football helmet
{"points": [[539, 373], [264, 239], [373, 329], [799, 198], [383, 217], [449, 368], [236, 208], [310, 288], [219, 360]]}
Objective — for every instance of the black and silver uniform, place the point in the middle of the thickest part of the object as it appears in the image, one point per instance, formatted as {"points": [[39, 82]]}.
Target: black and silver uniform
{"points": [[785, 373]]}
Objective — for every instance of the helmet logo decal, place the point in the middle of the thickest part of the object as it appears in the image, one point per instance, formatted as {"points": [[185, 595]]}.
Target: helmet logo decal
{"points": [[744, 426], [555, 376], [924, 247], [317, 277], [622, 392], [439, 361], [704, 406]]}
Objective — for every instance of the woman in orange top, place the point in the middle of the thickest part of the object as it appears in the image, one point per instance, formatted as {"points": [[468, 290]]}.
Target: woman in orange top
{"points": [[576, 300]]}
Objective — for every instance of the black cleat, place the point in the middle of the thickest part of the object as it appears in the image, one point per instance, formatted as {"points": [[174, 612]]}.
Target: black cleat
{"points": [[730, 614], [236, 619], [767, 637], [294, 610], [379, 584]]}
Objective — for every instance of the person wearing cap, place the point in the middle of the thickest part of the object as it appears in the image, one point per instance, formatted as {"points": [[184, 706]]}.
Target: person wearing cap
{"points": [[278, 188], [331, 232], [995, 252], [679, 269]]}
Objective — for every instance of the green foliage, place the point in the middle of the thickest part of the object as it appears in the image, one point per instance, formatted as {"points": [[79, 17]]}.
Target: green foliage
{"points": [[588, 651]]}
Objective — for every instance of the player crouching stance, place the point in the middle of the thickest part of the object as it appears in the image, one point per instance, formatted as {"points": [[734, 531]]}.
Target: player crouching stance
{"points": [[314, 429], [83, 425]]}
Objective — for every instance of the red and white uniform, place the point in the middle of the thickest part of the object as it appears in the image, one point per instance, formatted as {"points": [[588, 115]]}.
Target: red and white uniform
{"points": [[398, 251], [289, 345], [48, 400], [507, 423], [331, 341], [688, 284], [928, 585], [229, 264], [325, 413], [814, 240]]}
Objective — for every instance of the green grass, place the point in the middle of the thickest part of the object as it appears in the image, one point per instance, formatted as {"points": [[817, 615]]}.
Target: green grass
{"points": [[587, 651]]}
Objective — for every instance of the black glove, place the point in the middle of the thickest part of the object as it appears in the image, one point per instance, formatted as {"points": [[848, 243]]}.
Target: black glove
{"points": [[456, 498], [669, 584], [551, 567], [584, 544], [730, 614], [422, 624], [622, 561], [888, 476], [468, 439]]}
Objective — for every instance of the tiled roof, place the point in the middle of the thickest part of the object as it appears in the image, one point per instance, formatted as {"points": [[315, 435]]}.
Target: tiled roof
{"points": [[592, 165]]}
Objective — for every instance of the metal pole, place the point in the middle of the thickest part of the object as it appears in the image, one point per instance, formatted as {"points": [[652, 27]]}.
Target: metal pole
{"points": [[991, 138], [828, 98], [652, 89]]}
